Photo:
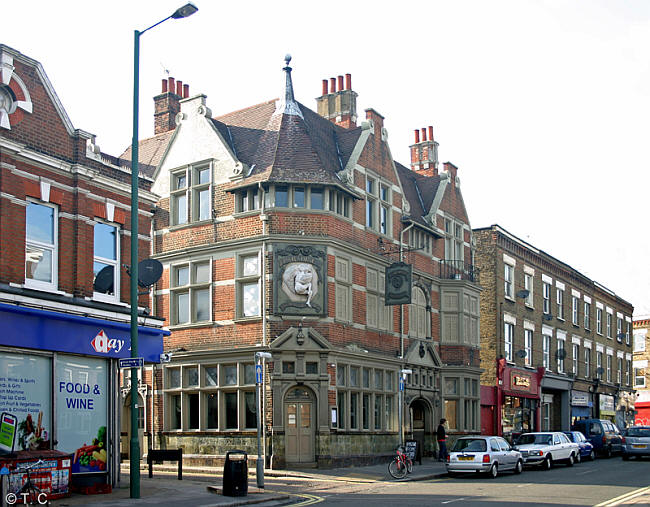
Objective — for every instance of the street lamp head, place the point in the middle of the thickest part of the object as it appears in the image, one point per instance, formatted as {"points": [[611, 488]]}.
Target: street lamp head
{"points": [[187, 10], [263, 355], [406, 372]]}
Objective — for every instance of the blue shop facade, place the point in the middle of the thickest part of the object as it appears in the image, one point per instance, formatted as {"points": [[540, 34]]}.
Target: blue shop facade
{"points": [[59, 376]]}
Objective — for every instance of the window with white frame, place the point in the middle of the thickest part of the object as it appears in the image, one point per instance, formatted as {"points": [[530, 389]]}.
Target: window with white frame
{"points": [[343, 290], [41, 246], [248, 279], [587, 315], [528, 285], [106, 260], [190, 292], [546, 351], [599, 320], [619, 329], [418, 325], [561, 354], [609, 325], [574, 310], [190, 194], [628, 327], [508, 277], [619, 370], [454, 242], [599, 364], [371, 203], [559, 303], [628, 367], [378, 315], [508, 335], [587, 362], [546, 289], [609, 367], [210, 397], [384, 210], [576, 358], [639, 377], [248, 199], [528, 346]]}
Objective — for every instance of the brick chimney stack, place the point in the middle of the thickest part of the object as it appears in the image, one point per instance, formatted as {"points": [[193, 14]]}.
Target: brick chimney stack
{"points": [[424, 153], [167, 104], [340, 106]]}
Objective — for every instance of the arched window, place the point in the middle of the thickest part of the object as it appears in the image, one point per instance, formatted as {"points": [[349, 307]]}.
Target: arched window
{"points": [[418, 318]]}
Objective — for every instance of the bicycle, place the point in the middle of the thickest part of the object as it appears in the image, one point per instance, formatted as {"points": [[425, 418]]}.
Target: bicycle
{"points": [[400, 465], [30, 493]]}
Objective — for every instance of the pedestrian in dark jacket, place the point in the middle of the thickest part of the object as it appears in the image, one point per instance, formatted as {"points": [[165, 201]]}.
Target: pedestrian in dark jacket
{"points": [[441, 436]]}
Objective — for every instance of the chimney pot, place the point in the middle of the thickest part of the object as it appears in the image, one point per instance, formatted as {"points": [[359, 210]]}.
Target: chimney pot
{"points": [[430, 133], [417, 136], [340, 83], [172, 85], [324, 87], [333, 85], [164, 86], [179, 88], [424, 134], [186, 91], [348, 81]]}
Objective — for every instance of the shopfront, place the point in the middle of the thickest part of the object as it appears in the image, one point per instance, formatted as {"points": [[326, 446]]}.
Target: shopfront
{"points": [[580, 405], [606, 407], [519, 401], [59, 378]]}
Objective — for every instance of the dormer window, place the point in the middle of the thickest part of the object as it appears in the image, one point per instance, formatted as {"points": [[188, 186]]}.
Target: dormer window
{"points": [[191, 190]]}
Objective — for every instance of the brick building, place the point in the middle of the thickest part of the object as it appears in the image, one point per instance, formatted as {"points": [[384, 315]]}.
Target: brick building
{"points": [[275, 226], [555, 345], [641, 373], [64, 218]]}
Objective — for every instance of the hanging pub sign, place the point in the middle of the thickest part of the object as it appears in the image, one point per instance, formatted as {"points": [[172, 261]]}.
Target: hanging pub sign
{"points": [[398, 284]]}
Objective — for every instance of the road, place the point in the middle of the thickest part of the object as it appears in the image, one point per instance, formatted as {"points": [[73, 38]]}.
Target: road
{"points": [[588, 483]]}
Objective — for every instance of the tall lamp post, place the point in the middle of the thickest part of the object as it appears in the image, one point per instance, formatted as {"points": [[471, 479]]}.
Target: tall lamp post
{"points": [[259, 373], [182, 12]]}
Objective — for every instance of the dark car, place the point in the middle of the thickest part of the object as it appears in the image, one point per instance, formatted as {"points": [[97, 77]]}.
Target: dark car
{"points": [[602, 434], [586, 447], [636, 441]]}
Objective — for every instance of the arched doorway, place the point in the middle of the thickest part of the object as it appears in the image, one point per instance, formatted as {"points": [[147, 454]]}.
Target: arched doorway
{"points": [[299, 425], [421, 425], [125, 427]]}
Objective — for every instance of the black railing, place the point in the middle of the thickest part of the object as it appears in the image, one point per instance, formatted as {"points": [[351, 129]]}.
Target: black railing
{"points": [[458, 270]]}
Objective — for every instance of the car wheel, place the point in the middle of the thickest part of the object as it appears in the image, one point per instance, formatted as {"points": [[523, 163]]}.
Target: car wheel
{"points": [[494, 471], [570, 461], [519, 467], [546, 465], [608, 452], [592, 455], [626, 457], [578, 457]]}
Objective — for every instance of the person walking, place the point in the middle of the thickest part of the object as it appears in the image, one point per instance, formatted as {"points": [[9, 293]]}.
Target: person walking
{"points": [[441, 436]]}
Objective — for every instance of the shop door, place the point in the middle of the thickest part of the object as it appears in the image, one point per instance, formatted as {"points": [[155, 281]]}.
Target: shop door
{"points": [[299, 427]]}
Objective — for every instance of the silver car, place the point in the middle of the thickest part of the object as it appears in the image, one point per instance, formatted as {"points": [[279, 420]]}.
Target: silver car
{"points": [[636, 441], [490, 455]]}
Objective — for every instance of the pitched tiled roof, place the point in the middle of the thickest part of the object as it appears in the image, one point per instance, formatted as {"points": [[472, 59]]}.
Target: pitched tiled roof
{"points": [[419, 191], [150, 152]]}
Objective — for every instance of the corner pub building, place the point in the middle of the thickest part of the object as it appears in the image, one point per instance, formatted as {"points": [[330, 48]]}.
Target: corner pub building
{"points": [[275, 226]]}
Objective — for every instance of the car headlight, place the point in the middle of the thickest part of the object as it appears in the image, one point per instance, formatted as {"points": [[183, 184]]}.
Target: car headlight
{"points": [[535, 453]]}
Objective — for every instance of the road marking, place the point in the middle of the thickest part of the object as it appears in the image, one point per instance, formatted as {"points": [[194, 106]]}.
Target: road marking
{"points": [[309, 499], [455, 500], [623, 498]]}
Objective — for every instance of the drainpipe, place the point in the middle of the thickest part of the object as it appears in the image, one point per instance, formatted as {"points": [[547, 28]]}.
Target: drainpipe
{"points": [[401, 307], [264, 218]]}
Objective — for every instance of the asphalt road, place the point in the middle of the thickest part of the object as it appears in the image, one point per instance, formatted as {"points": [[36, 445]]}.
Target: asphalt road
{"points": [[587, 483]]}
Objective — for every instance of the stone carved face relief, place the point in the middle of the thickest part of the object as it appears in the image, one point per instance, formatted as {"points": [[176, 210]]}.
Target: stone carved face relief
{"points": [[300, 282]]}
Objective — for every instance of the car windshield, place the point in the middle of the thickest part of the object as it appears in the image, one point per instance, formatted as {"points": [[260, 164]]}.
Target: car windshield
{"points": [[470, 445], [530, 438], [638, 432]]}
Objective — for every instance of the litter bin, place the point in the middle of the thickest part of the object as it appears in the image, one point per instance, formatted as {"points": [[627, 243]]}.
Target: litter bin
{"points": [[235, 473]]}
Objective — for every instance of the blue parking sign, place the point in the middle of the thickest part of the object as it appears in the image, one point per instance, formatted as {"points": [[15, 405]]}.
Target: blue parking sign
{"points": [[258, 373]]}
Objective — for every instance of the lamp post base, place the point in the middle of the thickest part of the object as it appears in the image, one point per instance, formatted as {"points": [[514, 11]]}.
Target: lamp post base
{"points": [[259, 472]]}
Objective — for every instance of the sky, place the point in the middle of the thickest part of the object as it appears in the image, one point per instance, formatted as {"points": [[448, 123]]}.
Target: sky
{"points": [[544, 106]]}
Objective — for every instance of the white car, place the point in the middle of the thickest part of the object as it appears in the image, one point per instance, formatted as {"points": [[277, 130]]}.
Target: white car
{"points": [[546, 448]]}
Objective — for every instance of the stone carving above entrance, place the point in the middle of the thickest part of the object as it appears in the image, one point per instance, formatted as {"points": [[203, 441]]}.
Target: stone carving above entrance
{"points": [[300, 286]]}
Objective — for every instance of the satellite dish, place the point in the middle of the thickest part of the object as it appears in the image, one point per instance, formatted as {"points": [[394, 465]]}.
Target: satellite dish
{"points": [[149, 272], [104, 281], [547, 316], [600, 370], [523, 294], [560, 354], [520, 354]]}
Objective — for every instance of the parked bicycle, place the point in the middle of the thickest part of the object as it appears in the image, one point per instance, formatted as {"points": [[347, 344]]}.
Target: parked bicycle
{"points": [[400, 465], [30, 493]]}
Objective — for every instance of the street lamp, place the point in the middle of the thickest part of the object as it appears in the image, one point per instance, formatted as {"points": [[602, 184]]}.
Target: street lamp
{"points": [[402, 378], [182, 12], [259, 470]]}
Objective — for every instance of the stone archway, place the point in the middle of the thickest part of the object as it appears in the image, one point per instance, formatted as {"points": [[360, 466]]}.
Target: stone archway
{"points": [[422, 424], [300, 425]]}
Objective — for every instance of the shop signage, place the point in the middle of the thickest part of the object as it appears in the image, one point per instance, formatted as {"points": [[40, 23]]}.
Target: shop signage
{"points": [[25, 392], [606, 404], [579, 399], [520, 381], [82, 411]]}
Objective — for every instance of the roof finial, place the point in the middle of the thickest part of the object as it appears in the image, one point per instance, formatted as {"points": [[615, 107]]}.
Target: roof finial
{"points": [[287, 103]]}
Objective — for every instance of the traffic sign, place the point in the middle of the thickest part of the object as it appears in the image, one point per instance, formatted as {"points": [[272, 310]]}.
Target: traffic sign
{"points": [[401, 384], [258, 373], [132, 362]]}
